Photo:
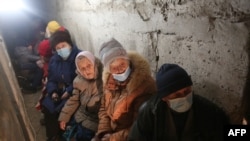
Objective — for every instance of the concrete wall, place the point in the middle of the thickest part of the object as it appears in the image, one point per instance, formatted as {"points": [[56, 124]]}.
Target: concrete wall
{"points": [[14, 122], [206, 37]]}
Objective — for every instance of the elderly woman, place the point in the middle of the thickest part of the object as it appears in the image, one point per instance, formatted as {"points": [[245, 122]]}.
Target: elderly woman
{"points": [[86, 99], [61, 73], [127, 83]]}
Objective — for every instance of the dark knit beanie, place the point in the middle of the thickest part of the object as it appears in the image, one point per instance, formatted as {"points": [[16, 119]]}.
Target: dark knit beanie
{"points": [[58, 37], [171, 78]]}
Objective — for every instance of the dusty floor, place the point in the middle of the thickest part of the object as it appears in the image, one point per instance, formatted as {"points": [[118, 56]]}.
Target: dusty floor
{"points": [[35, 115]]}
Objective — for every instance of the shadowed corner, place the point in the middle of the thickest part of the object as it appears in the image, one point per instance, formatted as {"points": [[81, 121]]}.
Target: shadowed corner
{"points": [[245, 103], [13, 114]]}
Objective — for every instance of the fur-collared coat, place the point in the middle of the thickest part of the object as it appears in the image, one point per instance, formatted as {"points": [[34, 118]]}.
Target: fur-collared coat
{"points": [[85, 100], [121, 101]]}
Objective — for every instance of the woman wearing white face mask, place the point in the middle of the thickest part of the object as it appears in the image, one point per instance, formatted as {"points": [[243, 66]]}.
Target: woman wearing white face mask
{"points": [[127, 83], [61, 73], [176, 114]]}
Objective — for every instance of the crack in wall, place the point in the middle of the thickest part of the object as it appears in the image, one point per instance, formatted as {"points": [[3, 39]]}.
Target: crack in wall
{"points": [[228, 12], [144, 17], [164, 11], [153, 35], [154, 39], [217, 10]]}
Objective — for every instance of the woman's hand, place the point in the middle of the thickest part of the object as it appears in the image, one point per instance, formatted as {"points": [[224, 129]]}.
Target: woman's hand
{"points": [[62, 125], [95, 138], [54, 95], [65, 95], [106, 137]]}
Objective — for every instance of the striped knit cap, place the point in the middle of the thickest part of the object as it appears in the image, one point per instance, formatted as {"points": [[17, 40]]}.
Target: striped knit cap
{"points": [[110, 51]]}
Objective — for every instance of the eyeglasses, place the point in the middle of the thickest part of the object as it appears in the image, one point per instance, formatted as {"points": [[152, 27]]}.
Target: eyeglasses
{"points": [[118, 67]]}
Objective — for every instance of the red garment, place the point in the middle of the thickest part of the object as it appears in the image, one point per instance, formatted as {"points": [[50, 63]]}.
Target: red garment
{"points": [[44, 49], [62, 29], [45, 69]]}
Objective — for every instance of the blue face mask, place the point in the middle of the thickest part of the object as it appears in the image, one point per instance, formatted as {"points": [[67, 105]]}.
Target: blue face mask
{"points": [[123, 76], [64, 52]]}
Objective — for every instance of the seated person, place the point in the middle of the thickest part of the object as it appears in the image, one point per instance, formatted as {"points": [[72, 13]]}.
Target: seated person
{"points": [[176, 113], [52, 27], [45, 53], [61, 73], [26, 62], [86, 97], [127, 83]]}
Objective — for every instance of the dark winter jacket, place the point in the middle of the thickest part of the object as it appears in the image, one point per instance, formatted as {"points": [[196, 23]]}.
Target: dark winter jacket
{"points": [[61, 74], [205, 122]]}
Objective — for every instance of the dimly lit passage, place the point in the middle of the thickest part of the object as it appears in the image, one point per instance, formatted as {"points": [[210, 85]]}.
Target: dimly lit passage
{"points": [[40, 81]]}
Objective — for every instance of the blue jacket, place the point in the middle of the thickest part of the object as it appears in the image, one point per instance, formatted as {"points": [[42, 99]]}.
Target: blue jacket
{"points": [[61, 74]]}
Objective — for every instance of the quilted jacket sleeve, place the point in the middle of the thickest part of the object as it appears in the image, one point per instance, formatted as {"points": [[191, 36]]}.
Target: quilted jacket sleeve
{"points": [[104, 119], [70, 106]]}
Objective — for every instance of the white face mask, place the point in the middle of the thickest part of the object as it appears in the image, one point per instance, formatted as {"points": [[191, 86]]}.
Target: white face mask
{"points": [[123, 76], [183, 104], [64, 52]]}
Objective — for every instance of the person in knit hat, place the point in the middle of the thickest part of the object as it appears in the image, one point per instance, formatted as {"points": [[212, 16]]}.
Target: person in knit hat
{"points": [[52, 27], [45, 53], [59, 87], [127, 83], [111, 51], [176, 113], [86, 99], [58, 38]]}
